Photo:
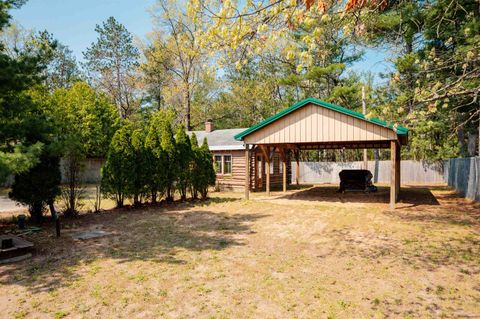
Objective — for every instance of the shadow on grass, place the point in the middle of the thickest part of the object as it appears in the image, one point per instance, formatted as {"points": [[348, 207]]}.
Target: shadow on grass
{"points": [[414, 196], [453, 211], [158, 235]]}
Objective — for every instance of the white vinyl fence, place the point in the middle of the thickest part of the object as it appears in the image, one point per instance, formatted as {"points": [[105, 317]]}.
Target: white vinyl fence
{"points": [[463, 174], [417, 172]]}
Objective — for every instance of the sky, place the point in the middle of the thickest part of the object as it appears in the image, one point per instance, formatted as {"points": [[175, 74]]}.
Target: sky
{"points": [[73, 23]]}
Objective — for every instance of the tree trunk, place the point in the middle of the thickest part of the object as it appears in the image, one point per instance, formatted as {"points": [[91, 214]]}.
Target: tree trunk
{"points": [[154, 196], [187, 108]]}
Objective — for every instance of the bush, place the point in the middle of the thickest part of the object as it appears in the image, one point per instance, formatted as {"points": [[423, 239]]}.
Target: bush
{"points": [[202, 170], [185, 158], [170, 163], [155, 162], [118, 171], [138, 186], [39, 186], [155, 158], [73, 157]]}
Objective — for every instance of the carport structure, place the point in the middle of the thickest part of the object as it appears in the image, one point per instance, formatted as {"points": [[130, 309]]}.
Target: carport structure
{"points": [[312, 124]]}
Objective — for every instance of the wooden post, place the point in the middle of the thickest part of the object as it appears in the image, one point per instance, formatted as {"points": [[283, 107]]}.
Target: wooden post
{"points": [[266, 155], [255, 175], [393, 174], [397, 178], [247, 172], [268, 175], [364, 109], [283, 156], [297, 172]]}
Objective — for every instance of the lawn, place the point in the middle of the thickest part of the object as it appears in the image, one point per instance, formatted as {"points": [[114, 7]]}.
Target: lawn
{"points": [[309, 254]]}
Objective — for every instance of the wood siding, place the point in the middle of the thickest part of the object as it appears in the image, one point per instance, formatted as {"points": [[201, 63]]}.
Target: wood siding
{"points": [[312, 123], [236, 180]]}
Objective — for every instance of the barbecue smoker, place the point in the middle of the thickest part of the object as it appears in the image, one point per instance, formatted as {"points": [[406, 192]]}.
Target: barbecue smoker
{"points": [[356, 180]]}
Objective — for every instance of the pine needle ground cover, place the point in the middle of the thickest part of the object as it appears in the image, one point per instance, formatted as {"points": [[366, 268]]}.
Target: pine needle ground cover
{"points": [[308, 254]]}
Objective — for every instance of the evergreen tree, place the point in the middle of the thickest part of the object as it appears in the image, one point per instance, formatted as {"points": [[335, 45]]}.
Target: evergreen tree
{"points": [[138, 186], [119, 169], [156, 157], [111, 63], [171, 157], [38, 186], [24, 127], [207, 171], [184, 153], [195, 168]]}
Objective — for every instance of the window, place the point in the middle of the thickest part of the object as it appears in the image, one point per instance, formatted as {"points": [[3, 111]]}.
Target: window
{"points": [[271, 167], [272, 164], [223, 164], [218, 164], [280, 167], [227, 164]]}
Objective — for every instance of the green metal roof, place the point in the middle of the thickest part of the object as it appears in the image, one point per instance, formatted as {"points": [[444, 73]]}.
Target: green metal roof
{"points": [[399, 129]]}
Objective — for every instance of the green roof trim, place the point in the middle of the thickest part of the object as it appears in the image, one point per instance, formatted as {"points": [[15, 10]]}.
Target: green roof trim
{"points": [[400, 130]]}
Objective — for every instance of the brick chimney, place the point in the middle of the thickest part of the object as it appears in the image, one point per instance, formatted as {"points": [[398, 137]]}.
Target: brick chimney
{"points": [[209, 126]]}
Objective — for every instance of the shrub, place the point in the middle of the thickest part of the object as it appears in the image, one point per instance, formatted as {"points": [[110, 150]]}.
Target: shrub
{"points": [[171, 157], [155, 158], [118, 171], [138, 184], [206, 172], [39, 186], [185, 158], [73, 157]]}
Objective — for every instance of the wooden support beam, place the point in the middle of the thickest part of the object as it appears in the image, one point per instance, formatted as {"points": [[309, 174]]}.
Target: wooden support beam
{"points": [[266, 154], [264, 150], [247, 172], [397, 178], [297, 172], [284, 171], [256, 172], [393, 175], [268, 177]]}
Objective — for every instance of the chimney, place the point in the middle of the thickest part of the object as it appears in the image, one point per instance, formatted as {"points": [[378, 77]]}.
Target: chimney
{"points": [[209, 126]]}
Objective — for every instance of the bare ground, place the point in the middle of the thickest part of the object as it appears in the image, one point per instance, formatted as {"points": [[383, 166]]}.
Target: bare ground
{"points": [[311, 253]]}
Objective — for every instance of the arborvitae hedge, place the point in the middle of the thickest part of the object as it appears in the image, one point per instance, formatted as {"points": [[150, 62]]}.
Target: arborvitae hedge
{"points": [[151, 163]]}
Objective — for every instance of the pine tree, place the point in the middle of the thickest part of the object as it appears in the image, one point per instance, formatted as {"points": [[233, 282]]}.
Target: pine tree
{"points": [[111, 63]]}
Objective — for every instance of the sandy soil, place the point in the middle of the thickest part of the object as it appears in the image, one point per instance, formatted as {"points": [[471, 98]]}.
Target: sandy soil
{"points": [[310, 253]]}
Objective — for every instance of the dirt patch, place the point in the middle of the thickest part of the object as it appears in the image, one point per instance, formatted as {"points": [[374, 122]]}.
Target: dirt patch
{"points": [[285, 256]]}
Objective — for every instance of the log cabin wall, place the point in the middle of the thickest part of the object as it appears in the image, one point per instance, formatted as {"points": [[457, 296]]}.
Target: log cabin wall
{"points": [[235, 181]]}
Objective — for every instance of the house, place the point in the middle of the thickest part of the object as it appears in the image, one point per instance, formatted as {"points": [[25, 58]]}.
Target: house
{"points": [[259, 157], [229, 158]]}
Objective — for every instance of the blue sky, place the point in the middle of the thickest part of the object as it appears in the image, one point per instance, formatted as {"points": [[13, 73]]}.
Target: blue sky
{"points": [[73, 23]]}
